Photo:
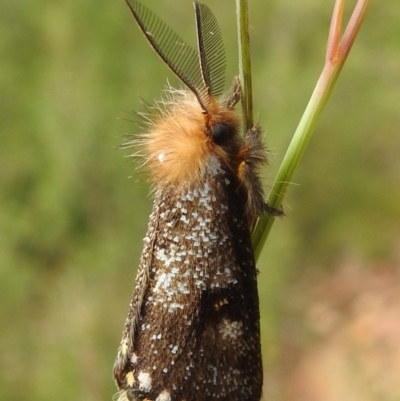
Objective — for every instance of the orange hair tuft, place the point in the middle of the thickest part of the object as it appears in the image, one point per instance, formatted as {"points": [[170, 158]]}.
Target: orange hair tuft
{"points": [[177, 144]]}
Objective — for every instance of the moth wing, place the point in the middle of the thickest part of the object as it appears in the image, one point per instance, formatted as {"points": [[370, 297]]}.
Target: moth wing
{"points": [[125, 349]]}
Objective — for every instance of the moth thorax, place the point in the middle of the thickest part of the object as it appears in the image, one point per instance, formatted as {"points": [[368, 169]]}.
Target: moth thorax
{"points": [[183, 137]]}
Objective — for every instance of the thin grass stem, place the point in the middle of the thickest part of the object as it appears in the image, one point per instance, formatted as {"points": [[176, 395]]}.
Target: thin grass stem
{"points": [[336, 55], [245, 63]]}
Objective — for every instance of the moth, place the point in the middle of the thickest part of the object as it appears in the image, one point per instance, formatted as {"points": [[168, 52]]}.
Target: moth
{"points": [[193, 331]]}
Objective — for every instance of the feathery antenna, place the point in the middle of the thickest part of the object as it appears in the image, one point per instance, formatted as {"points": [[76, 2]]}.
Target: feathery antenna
{"points": [[202, 73], [211, 49]]}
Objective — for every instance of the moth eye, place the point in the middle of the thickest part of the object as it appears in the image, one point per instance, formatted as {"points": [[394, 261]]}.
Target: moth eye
{"points": [[220, 133]]}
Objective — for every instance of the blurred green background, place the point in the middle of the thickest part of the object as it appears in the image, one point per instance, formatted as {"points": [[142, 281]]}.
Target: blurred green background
{"points": [[74, 209]]}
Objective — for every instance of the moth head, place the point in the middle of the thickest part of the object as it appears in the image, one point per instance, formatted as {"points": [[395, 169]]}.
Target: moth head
{"points": [[182, 139]]}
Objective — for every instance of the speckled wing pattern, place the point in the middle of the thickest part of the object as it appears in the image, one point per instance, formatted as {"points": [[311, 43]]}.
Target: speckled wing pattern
{"points": [[192, 333]]}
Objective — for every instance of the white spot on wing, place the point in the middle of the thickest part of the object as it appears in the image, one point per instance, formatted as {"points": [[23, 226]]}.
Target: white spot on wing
{"points": [[134, 358], [230, 330], [164, 396], [144, 381]]}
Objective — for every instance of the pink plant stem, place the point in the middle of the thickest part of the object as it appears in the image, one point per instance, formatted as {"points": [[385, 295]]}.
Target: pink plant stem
{"points": [[334, 32], [353, 27], [337, 51]]}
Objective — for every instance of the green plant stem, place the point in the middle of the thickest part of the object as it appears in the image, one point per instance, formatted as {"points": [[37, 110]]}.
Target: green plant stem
{"points": [[295, 152], [336, 56], [245, 63]]}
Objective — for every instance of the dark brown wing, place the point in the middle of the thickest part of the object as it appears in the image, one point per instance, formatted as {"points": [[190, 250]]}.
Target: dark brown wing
{"points": [[198, 334]]}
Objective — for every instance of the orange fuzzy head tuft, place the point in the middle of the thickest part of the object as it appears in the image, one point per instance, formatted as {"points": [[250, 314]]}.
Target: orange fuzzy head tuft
{"points": [[181, 138]]}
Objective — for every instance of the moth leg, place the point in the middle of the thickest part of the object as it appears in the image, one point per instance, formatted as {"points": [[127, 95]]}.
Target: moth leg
{"points": [[273, 211], [255, 146], [253, 155], [234, 94]]}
